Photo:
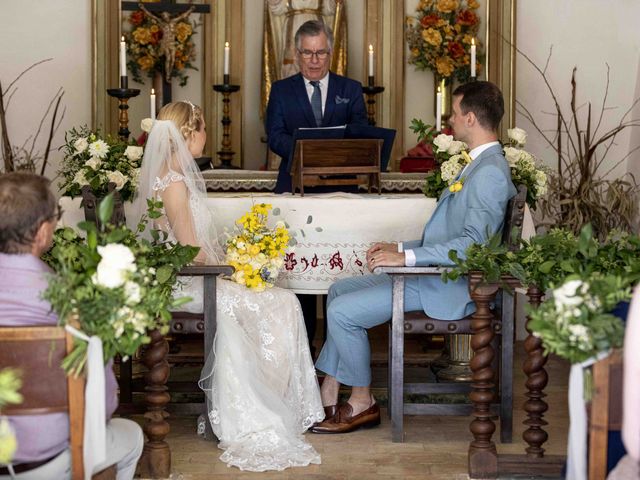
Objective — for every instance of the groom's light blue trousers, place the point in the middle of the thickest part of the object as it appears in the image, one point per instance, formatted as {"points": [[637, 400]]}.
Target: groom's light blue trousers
{"points": [[353, 306]]}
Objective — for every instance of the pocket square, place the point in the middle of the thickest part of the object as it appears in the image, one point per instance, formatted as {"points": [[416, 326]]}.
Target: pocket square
{"points": [[340, 100]]}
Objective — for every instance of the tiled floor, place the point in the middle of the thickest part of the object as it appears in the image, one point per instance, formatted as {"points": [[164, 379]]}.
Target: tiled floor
{"points": [[434, 448]]}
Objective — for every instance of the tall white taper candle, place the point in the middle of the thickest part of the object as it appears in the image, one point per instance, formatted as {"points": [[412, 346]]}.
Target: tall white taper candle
{"points": [[226, 58], [473, 58], [438, 110], [123, 58], [152, 104]]}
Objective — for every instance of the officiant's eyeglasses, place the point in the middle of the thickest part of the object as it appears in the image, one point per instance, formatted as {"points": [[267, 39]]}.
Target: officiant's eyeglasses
{"points": [[320, 54]]}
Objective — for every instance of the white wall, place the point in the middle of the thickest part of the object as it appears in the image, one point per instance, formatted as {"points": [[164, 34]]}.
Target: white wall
{"points": [[32, 30], [587, 34]]}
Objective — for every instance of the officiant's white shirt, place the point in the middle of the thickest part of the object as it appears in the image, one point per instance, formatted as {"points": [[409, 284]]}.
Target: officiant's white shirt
{"points": [[409, 255], [324, 87]]}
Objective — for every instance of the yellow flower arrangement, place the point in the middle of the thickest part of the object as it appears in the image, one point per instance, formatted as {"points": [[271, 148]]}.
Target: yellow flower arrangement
{"points": [[440, 35], [144, 47], [257, 251]]}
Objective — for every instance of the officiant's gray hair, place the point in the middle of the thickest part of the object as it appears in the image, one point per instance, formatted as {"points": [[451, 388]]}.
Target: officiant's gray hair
{"points": [[313, 28], [26, 201]]}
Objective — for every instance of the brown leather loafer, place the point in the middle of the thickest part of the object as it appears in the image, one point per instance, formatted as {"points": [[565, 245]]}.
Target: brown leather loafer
{"points": [[344, 421]]}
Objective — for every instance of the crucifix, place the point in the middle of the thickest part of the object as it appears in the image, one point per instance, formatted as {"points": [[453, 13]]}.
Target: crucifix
{"points": [[166, 14]]}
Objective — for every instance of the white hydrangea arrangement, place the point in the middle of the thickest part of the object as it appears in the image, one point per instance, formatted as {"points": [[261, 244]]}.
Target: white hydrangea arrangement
{"points": [[92, 160]]}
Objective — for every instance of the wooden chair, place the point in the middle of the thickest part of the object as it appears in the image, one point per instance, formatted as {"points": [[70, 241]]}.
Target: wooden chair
{"points": [[605, 411], [37, 352], [316, 162], [419, 323]]}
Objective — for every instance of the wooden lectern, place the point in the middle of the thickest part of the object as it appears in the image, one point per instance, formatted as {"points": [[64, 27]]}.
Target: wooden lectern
{"points": [[317, 162]]}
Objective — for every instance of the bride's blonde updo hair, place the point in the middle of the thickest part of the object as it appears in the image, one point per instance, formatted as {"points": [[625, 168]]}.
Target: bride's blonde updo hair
{"points": [[185, 115]]}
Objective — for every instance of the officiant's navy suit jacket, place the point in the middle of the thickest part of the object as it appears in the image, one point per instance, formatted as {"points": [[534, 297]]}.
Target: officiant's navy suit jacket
{"points": [[289, 108]]}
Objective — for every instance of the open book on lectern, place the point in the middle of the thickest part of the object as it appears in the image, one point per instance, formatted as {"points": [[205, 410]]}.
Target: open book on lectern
{"points": [[387, 135]]}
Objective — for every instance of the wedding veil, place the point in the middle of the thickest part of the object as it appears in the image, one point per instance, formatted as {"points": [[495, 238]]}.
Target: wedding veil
{"points": [[167, 159]]}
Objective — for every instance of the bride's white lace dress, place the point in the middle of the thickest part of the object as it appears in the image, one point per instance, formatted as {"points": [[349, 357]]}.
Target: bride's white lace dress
{"points": [[259, 379]]}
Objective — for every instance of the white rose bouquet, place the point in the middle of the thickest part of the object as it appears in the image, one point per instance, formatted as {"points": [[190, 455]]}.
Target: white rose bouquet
{"points": [[117, 285], [92, 160]]}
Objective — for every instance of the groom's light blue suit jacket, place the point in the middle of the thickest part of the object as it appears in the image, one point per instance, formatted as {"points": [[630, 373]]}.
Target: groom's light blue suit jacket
{"points": [[460, 219]]}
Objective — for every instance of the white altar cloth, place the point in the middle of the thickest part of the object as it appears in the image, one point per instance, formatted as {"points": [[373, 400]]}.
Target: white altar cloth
{"points": [[333, 231]]}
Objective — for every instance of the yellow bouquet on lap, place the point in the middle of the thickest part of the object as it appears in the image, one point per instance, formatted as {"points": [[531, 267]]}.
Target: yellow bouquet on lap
{"points": [[257, 251]]}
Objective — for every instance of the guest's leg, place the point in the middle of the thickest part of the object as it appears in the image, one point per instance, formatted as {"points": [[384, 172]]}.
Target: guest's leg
{"points": [[124, 447]]}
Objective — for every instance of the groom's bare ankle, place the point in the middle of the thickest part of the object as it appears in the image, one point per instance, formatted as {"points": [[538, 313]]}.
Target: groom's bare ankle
{"points": [[329, 391]]}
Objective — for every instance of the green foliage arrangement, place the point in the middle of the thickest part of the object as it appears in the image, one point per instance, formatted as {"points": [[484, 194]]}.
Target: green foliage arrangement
{"points": [[115, 283]]}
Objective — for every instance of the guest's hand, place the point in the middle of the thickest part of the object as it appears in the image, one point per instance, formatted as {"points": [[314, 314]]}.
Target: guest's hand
{"points": [[386, 258]]}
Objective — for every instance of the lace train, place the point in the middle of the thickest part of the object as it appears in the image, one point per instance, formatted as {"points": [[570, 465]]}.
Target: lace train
{"points": [[260, 380]]}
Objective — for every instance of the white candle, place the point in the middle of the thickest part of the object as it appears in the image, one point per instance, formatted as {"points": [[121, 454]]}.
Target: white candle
{"points": [[473, 58], [152, 104], [371, 61], [226, 58], [438, 110], [123, 58]]}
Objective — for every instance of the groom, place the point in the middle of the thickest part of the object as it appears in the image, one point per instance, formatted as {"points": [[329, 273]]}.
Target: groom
{"points": [[470, 215]]}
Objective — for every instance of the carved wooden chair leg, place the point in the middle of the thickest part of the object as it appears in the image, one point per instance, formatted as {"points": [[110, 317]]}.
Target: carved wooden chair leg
{"points": [[537, 379], [156, 456], [483, 456]]}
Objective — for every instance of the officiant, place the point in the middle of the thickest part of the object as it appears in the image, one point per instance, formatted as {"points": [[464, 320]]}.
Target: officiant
{"points": [[315, 97]]}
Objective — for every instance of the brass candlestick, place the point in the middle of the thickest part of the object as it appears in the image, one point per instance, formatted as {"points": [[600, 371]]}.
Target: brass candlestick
{"points": [[123, 94], [371, 91], [226, 154]]}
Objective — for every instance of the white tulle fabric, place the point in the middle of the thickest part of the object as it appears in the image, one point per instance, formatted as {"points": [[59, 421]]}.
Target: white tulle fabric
{"points": [[260, 383]]}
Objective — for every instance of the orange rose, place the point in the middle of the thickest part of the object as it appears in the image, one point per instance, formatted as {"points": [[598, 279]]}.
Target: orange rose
{"points": [[136, 18], [432, 37], [146, 63], [429, 20], [455, 50], [155, 36], [142, 35], [473, 4], [179, 65], [415, 52], [444, 65], [467, 17], [446, 6]]}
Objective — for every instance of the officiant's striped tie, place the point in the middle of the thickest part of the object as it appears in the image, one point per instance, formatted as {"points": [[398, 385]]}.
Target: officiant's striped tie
{"points": [[316, 102]]}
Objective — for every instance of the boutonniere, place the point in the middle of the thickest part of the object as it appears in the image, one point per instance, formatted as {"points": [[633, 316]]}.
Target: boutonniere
{"points": [[340, 100], [456, 186]]}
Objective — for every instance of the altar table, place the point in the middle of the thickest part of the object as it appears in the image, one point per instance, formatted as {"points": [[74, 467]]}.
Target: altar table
{"points": [[332, 231]]}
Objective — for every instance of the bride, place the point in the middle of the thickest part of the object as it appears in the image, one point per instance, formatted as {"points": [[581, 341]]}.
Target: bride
{"points": [[259, 379]]}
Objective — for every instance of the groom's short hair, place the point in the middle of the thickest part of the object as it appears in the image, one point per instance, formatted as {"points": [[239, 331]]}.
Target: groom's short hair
{"points": [[485, 100]]}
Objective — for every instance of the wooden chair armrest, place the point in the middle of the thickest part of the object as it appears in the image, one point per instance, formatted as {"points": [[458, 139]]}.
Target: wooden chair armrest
{"points": [[203, 270], [409, 270]]}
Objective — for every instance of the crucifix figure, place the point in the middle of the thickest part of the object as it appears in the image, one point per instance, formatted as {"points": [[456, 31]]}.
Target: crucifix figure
{"points": [[168, 41]]}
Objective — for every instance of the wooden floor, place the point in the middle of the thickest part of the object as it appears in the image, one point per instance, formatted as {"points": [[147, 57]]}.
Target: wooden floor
{"points": [[435, 447]]}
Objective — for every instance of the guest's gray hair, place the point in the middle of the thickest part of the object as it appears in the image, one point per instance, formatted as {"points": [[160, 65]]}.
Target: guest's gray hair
{"points": [[313, 28]]}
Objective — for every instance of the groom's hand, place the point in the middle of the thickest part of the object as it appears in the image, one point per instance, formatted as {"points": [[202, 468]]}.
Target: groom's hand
{"points": [[384, 255]]}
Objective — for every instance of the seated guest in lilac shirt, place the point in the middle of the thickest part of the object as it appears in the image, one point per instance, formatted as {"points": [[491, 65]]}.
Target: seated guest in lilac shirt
{"points": [[28, 216]]}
